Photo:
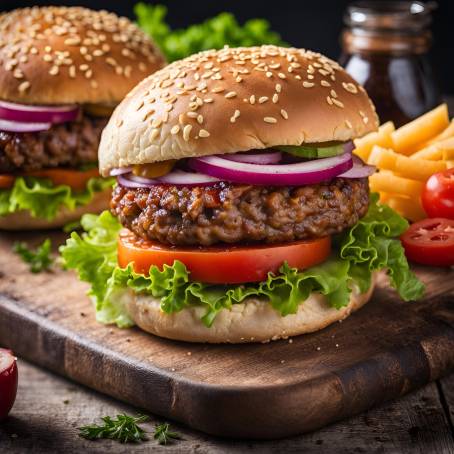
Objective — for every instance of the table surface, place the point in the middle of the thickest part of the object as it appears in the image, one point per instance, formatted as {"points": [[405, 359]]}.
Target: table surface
{"points": [[49, 409]]}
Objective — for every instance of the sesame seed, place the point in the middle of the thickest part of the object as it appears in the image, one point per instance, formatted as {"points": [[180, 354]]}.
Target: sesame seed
{"points": [[366, 120], [308, 84], [186, 131], [199, 119], [325, 83], [47, 57], [329, 100], [217, 90], [175, 130], [350, 87], [157, 122], [297, 77], [235, 115], [349, 125], [275, 98], [284, 114], [208, 100], [18, 74], [204, 133], [24, 86], [230, 94], [269, 120], [310, 76], [54, 71], [333, 94], [192, 114], [282, 76], [154, 134], [269, 74], [263, 99], [88, 74], [338, 103], [252, 99], [278, 88], [93, 84]]}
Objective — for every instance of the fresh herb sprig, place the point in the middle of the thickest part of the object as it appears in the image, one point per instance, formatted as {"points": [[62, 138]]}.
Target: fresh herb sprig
{"points": [[124, 428], [164, 435], [39, 259]]}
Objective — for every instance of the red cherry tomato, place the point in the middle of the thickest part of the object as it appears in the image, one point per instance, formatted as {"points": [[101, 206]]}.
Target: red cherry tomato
{"points": [[430, 242], [438, 195], [8, 382]]}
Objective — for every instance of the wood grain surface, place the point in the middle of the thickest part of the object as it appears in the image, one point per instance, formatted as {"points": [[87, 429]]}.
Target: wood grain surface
{"points": [[252, 391], [49, 409]]}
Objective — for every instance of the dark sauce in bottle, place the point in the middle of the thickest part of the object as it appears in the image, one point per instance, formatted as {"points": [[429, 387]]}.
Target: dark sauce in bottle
{"points": [[385, 48]]}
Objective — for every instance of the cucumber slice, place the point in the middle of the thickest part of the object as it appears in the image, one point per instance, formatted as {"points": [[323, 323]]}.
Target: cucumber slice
{"points": [[311, 152]]}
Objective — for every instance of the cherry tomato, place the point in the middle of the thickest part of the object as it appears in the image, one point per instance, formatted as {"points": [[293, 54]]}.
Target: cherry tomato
{"points": [[438, 195], [430, 242], [8, 382], [222, 264]]}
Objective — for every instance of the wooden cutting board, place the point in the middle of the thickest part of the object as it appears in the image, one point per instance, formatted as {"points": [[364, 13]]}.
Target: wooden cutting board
{"points": [[268, 390]]}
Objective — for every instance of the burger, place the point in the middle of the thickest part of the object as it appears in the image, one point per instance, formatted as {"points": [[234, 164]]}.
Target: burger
{"points": [[62, 71], [239, 213]]}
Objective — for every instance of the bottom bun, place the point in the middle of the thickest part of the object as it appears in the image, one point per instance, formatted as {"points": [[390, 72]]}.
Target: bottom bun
{"points": [[251, 321], [23, 220]]}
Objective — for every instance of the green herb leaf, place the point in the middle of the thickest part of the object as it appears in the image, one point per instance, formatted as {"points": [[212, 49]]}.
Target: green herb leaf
{"points": [[40, 259], [164, 435], [124, 428], [214, 33], [43, 199]]}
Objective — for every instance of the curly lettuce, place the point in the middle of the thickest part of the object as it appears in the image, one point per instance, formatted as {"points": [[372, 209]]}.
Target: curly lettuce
{"points": [[43, 199], [214, 33], [368, 246]]}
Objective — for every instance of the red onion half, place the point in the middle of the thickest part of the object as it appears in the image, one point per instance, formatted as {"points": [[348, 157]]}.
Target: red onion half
{"points": [[266, 157], [300, 173], [15, 126], [24, 113]]}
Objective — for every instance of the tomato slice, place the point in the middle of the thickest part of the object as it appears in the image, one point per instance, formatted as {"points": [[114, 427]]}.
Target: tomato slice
{"points": [[430, 242], [76, 179], [438, 195], [6, 181], [221, 264]]}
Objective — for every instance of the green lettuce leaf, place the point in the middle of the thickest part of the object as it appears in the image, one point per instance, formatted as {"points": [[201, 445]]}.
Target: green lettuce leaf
{"points": [[214, 33], [43, 199], [368, 246]]}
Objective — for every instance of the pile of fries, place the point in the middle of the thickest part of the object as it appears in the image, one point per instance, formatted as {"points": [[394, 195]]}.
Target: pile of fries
{"points": [[407, 157]]}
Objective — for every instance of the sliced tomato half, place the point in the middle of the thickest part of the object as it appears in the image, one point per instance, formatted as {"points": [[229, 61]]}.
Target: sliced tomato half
{"points": [[430, 242], [222, 264], [75, 179]]}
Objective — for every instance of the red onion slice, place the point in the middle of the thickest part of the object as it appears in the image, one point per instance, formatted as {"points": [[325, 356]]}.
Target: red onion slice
{"points": [[37, 114], [181, 178], [308, 172], [359, 170], [120, 171], [16, 126], [176, 178], [271, 157]]}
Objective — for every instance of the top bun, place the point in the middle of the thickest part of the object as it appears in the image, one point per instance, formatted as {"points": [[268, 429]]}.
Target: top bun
{"points": [[234, 100], [62, 55]]}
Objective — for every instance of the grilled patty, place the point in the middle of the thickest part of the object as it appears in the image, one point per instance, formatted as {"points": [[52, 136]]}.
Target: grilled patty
{"points": [[64, 145], [233, 213]]}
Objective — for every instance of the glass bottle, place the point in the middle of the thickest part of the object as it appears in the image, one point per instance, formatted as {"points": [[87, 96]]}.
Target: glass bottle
{"points": [[385, 48]]}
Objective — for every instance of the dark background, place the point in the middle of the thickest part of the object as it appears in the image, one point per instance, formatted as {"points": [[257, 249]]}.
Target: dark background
{"points": [[313, 24]]}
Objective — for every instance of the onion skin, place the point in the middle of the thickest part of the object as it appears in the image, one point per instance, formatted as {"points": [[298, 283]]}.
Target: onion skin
{"points": [[8, 382], [20, 127]]}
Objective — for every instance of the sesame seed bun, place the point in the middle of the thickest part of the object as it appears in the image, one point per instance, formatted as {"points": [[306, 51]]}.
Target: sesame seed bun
{"points": [[235, 100], [66, 55], [251, 321], [23, 220]]}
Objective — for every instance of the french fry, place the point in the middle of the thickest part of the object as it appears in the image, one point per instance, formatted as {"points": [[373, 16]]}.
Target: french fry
{"points": [[407, 138], [408, 208], [416, 169], [387, 182], [445, 134], [382, 138], [437, 150]]}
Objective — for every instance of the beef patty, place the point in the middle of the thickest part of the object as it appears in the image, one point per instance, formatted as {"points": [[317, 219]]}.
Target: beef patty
{"points": [[64, 145], [233, 213]]}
